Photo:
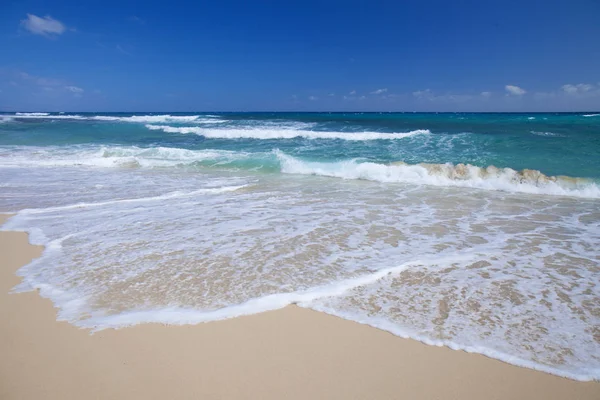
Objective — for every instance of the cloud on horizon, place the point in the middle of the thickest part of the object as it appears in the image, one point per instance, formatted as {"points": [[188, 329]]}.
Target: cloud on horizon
{"points": [[44, 26], [515, 90], [577, 89]]}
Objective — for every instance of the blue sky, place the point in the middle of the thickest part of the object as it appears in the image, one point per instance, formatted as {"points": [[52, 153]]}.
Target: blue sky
{"points": [[300, 55]]}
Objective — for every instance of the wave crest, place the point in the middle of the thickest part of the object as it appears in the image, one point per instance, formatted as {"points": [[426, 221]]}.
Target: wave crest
{"points": [[270, 134], [31, 114], [462, 175]]}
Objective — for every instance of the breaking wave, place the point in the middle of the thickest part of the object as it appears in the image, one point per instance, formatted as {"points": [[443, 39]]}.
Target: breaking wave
{"points": [[462, 175], [267, 134]]}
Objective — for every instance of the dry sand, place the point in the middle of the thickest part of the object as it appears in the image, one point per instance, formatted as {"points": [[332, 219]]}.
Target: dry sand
{"points": [[292, 353]]}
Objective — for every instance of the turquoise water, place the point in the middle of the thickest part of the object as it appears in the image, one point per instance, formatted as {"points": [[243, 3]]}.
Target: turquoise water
{"points": [[555, 144], [478, 232]]}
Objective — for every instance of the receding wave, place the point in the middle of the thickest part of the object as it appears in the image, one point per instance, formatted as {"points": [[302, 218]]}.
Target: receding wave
{"points": [[462, 175], [166, 196], [267, 134], [114, 156]]}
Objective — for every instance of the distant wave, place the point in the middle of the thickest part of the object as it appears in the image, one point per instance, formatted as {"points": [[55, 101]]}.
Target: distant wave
{"points": [[201, 119], [463, 175], [590, 115], [284, 133], [547, 134], [160, 118], [31, 114], [46, 116]]}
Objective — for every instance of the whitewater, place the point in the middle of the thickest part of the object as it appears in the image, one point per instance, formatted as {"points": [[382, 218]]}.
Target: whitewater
{"points": [[479, 232]]}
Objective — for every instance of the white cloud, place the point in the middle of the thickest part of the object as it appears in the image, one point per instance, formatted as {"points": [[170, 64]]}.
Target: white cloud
{"points": [[486, 94], [313, 98], [379, 91], [515, 90], [352, 93], [331, 94], [577, 89], [74, 89], [46, 26]]}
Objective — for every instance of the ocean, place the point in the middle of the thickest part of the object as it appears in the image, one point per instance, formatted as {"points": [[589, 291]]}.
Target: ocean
{"points": [[479, 232]]}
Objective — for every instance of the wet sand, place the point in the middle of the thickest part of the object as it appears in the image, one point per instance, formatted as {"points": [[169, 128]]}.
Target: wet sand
{"points": [[291, 353]]}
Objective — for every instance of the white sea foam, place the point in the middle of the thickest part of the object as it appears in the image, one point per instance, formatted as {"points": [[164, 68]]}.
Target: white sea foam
{"points": [[581, 374], [112, 156], [267, 134], [590, 115], [494, 273], [166, 196], [490, 178]]}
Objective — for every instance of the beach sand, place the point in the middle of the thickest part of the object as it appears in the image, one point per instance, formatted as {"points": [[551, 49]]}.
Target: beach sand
{"points": [[292, 353]]}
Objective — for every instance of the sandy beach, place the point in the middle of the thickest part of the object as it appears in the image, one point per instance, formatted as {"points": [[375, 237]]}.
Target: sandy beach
{"points": [[292, 353]]}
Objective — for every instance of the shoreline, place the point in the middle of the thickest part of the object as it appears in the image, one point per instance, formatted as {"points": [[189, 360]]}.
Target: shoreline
{"points": [[289, 353]]}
